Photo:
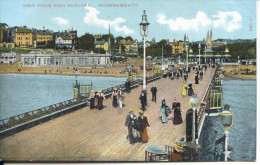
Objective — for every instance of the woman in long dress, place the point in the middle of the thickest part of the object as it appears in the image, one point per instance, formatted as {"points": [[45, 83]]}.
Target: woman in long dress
{"points": [[101, 98], [184, 88], [143, 121], [177, 116], [96, 100], [163, 111], [114, 96], [91, 98]]}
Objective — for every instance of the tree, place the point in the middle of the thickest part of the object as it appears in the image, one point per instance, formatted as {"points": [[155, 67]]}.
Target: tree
{"points": [[50, 44], [86, 41], [99, 50], [129, 38], [118, 39]]}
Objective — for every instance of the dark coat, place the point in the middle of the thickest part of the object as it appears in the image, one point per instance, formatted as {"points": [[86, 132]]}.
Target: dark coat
{"points": [[142, 99], [143, 122], [154, 90]]}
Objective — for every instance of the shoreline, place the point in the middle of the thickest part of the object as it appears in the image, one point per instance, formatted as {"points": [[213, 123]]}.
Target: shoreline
{"points": [[69, 74]]}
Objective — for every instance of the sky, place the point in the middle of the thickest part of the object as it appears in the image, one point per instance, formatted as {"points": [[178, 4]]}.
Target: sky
{"points": [[169, 19]]}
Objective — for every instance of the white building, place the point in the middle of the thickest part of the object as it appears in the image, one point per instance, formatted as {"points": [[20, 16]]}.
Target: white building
{"points": [[39, 58], [10, 58], [64, 43]]}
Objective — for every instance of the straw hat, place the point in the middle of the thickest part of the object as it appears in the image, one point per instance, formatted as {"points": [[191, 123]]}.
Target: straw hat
{"points": [[115, 88], [92, 90], [131, 109], [141, 112], [100, 90]]}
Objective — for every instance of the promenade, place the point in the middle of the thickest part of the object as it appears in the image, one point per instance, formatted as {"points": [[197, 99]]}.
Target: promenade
{"points": [[92, 135]]}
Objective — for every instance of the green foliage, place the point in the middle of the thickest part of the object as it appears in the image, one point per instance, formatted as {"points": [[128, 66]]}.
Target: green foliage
{"points": [[106, 38], [50, 44], [99, 51], [5, 50], [86, 42], [118, 39], [129, 38], [119, 58], [195, 48], [245, 50], [156, 49]]}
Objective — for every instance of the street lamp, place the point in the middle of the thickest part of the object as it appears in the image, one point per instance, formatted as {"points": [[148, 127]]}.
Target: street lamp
{"points": [[187, 46], [227, 122], [199, 53], [205, 55], [144, 32], [194, 101]]}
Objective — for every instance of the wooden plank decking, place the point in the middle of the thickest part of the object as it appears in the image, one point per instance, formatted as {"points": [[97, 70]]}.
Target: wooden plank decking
{"points": [[92, 135]]}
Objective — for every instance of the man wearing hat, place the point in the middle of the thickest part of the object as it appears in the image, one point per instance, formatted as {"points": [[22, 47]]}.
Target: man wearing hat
{"points": [[143, 124], [114, 96], [91, 98], [101, 98], [154, 91], [132, 124], [142, 99]]}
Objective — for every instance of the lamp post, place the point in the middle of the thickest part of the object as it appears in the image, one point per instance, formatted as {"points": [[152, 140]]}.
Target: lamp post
{"points": [[162, 53], [205, 55], [199, 53], [227, 122], [194, 101], [144, 32], [187, 46]]}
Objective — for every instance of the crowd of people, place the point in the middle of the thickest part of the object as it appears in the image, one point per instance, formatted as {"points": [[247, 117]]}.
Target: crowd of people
{"points": [[137, 126]]}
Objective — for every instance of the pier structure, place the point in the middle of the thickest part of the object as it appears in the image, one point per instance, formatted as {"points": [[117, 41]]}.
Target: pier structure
{"points": [[93, 135]]}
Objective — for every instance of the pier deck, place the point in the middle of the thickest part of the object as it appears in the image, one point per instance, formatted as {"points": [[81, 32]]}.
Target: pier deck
{"points": [[92, 135]]}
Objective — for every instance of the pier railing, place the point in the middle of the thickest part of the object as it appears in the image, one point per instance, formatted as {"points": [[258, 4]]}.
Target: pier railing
{"points": [[26, 120], [204, 105], [22, 121]]}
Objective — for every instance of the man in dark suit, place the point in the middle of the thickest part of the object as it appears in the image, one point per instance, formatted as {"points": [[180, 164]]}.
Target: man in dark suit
{"points": [[154, 91], [142, 99]]}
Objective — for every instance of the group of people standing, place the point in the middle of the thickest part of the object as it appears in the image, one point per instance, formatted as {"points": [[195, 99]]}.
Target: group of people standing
{"points": [[96, 99], [166, 111]]}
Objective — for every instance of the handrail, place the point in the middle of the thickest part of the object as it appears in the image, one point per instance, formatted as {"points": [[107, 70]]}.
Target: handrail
{"points": [[203, 102], [40, 112]]}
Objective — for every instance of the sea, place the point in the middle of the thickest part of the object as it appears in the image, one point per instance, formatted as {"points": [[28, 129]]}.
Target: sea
{"points": [[241, 96], [20, 93]]}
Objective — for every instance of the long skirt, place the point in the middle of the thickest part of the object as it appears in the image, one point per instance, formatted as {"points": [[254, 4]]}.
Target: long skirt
{"points": [[100, 103], [114, 101], [91, 103], [144, 136], [177, 119]]}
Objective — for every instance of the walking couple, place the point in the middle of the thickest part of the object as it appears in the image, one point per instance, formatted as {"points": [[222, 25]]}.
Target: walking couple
{"points": [[137, 127]]}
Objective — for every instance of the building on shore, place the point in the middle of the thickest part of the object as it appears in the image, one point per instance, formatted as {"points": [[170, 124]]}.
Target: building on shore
{"points": [[177, 47], [102, 45], [25, 38], [41, 58], [66, 40], [10, 58], [209, 56], [128, 47], [43, 36], [6, 35]]}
